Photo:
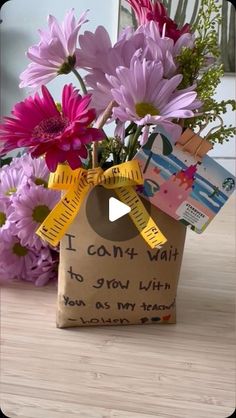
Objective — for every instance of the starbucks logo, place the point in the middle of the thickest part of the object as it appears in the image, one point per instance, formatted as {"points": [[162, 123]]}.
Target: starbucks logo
{"points": [[228, 184]]}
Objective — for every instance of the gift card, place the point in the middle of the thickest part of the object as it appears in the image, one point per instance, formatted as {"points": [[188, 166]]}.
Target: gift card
{"points": [[187, 187]]}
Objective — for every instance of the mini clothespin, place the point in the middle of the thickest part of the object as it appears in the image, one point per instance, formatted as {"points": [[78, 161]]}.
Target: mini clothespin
{"points": [[194, 144]]}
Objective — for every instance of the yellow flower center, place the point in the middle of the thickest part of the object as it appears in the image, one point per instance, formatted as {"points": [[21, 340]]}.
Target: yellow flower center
{"points": [[59, 107], [41, 182], [2, 219], [19, 250], [143, 109], [11, 191], [40, 213]]}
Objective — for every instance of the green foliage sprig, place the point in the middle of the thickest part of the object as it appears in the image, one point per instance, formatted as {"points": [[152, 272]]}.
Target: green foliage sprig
{"points": [[206, 27], [193, 65], [192, 60]]}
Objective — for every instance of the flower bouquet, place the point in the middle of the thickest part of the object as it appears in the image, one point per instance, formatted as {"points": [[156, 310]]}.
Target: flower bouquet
{"points": [[154, 85]]}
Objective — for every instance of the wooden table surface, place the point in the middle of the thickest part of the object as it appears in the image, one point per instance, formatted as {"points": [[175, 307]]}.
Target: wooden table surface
{"points": [[171, 371]]}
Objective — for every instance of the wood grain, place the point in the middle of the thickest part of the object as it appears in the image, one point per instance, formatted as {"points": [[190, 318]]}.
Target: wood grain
{"points": [[176, 371]]}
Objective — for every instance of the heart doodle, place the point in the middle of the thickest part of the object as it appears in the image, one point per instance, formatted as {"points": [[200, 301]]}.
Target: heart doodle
{"points": [[156, 319]]}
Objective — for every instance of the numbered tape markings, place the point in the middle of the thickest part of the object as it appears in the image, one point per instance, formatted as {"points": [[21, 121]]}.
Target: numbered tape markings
{"points": [[141, 218], [57, 223]]}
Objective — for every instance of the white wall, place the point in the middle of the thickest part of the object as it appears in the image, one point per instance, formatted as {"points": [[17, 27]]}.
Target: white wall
{"points": [[226, 153]]}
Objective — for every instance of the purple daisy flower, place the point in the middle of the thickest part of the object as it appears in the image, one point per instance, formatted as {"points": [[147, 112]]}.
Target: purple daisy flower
{"points": [[7, 229], [146, 98], [28, 211], [45, 268], [55, 54], [98, 63], [12, 179], [94, 49], [35, 169], [16, 259], [20, 262], [163, 48], [100, 58]]}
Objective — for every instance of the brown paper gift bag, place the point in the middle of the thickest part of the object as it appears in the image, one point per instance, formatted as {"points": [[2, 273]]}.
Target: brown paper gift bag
{"points": [[120, 280]]}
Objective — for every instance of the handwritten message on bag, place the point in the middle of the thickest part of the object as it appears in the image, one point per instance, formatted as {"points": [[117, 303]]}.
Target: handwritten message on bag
{"points": [[104, 282]]}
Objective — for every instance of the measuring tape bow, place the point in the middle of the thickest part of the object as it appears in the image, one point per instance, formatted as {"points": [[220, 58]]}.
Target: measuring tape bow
{"points": [[78, 182]]}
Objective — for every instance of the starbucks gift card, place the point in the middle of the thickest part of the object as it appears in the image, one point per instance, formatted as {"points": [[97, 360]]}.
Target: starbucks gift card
{"points": [[189, 188]]}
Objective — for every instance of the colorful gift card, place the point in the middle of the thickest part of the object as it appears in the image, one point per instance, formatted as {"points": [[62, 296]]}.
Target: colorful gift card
{"points": [[189, 188]]}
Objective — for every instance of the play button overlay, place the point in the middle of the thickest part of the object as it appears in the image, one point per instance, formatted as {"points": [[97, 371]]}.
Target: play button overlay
{"points": [[109, 217], [117, 209]]}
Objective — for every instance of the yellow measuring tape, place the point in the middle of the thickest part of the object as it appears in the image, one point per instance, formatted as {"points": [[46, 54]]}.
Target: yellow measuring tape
{"points": [[78, 182]]}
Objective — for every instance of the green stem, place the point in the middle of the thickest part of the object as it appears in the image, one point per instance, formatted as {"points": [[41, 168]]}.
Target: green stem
{"points": [[81, 81], [129, 129], [148, 162], [133, 143], [194, 14]]}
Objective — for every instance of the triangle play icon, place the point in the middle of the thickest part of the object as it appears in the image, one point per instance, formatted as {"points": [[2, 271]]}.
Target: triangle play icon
{"points": [[117, 209]]}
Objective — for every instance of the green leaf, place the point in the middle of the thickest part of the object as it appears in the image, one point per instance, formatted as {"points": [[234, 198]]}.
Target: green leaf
{"points": [[5, 161], [150, 141], [167, 146]]}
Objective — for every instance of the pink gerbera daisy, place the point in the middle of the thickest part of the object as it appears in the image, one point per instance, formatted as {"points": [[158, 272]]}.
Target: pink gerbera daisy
{"points": [[55, 53], [147, 10], [61, 136], [29, 210]]}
